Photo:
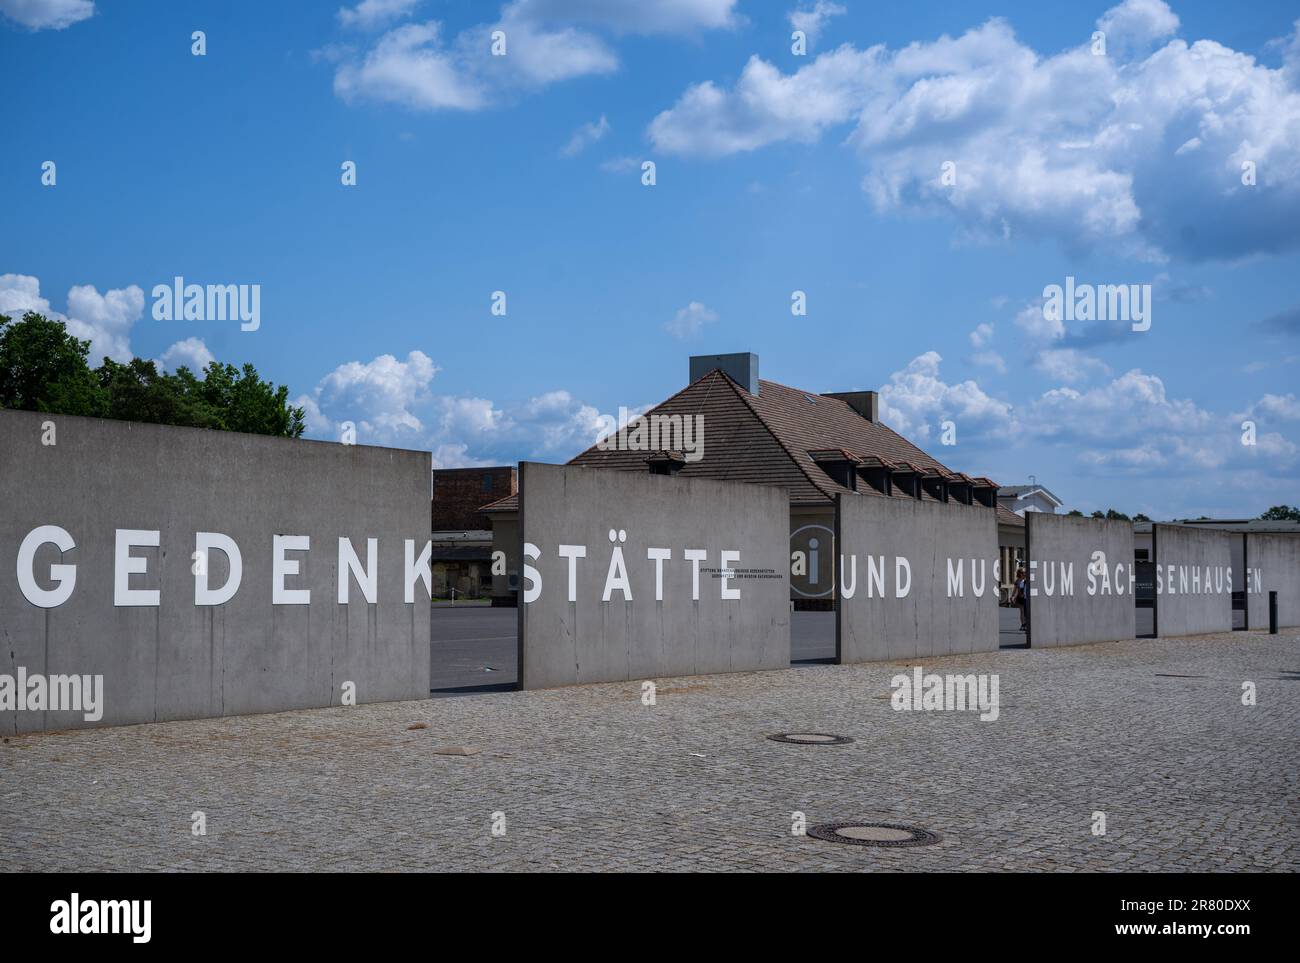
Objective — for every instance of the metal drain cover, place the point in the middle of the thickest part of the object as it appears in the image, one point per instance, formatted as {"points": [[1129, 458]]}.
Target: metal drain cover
{"points": [[811, 738], [874, 834]]}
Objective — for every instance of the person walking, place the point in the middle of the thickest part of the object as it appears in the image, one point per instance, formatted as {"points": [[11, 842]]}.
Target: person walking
{"points": [[1018, 597]]}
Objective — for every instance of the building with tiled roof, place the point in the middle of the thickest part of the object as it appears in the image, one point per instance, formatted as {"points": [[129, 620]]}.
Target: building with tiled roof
{"points": [[729, 425]]}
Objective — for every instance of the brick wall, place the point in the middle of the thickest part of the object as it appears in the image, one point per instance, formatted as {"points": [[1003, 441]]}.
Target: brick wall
{"points": [[459, 493]]}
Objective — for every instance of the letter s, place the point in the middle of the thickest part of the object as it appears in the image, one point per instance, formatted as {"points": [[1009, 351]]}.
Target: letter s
{"points": [[533, 591]]}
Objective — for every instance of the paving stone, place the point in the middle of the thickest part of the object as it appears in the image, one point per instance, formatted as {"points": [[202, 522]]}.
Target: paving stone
{"points": [[590, 779]]}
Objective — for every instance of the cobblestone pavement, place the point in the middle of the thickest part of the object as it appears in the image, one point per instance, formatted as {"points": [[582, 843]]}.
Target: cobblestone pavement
{"points": [[1151, 732]]}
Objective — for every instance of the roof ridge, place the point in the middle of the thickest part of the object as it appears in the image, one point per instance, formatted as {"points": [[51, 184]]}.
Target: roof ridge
{"points": [[777, 437], [879, 424], [782, 384], [595, 446]]}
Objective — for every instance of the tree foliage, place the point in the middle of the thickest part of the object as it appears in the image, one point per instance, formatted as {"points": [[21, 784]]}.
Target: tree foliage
{"points": [[1111, 514], [1282, 513], [43, 368]]}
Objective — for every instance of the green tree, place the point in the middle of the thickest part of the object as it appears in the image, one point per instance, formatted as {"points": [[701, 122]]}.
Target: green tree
{"points": [[1139, 517], [137, 392], [43, 368], [244, 402], [1282, 513], [1115, 516]]}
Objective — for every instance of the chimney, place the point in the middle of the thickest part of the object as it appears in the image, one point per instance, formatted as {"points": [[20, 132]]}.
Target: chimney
{"points": [[865, 403], [742, 368]]}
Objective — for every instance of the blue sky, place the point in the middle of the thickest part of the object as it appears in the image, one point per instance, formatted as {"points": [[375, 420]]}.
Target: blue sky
{"points": [[774, 173]]}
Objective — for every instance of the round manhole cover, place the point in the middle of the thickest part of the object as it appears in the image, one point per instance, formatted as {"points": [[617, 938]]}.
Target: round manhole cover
{"points": [[811, 738], [873, 834]]}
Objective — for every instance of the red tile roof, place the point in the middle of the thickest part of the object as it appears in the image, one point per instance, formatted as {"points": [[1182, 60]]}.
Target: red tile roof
{"points": [[770, 439], [1007, 517]]}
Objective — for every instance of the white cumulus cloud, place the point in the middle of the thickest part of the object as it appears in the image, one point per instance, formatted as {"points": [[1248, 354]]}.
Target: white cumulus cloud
{"points": [[811, 20], [191, 353], [418, 66], [916, 401], [1069, 365], [1134, 25], [47, 14], [689, 321], [410, 66], [1128, 425], [391, 402], [1282, 407], [380, 395], [1078, 148], [104, 320], [371, 14]]}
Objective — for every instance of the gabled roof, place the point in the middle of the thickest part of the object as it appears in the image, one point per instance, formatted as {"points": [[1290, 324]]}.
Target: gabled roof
{"points": [[1019, 491], [770, 439]]}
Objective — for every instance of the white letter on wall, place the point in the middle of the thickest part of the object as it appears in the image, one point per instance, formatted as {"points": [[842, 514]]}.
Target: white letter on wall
{"points": [[64, 575], [695, 556], [723, 559], [281, 567], [572, 553], [367, 578], [418, 568], [846, 591], [902, 567], [534, 591], [204, 543], [659, 554], [125, 565]]}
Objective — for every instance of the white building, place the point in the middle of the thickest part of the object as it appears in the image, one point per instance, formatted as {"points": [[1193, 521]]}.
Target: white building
{"points": [[1028, 498]]}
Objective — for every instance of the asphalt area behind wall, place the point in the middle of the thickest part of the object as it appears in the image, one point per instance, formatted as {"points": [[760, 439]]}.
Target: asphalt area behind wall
{"points": [[474, 646]]}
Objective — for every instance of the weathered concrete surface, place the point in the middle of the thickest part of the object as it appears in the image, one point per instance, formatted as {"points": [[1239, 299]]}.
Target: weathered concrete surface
{"points": [[592, 640], [1186, 559], [927, 621], [1276, 558], [178, 660], [1076, 595]]}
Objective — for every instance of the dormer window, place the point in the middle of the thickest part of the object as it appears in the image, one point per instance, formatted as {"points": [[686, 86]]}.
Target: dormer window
{"points": [[878, 473], [986, 493], [840, 466], [907, 480], [666, 462], [935, 485]]}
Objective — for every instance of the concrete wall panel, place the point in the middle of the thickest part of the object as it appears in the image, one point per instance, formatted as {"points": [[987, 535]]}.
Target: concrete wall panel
{"points": [[178, 660], [1193, 580], [1273, 565], [928, 620], [589, 639], [1081, 580]]}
